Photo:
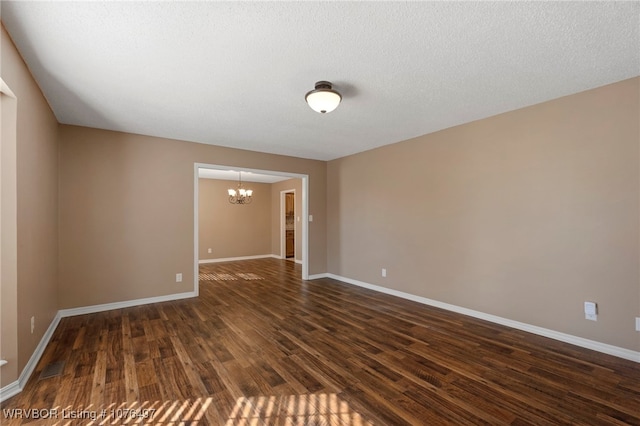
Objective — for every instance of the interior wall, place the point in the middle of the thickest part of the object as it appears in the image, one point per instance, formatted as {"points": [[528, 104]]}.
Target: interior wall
{"points": [[524, 215], [36, 205], [276, 188], [8, 239], [232, 230], [126, 212]]}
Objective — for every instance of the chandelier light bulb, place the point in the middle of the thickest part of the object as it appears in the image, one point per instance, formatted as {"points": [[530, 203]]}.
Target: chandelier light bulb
{"points": [[240, 195]]}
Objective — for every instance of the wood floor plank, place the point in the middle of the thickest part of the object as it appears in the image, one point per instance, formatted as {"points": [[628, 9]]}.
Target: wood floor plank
{"points": [[99, 377], [268, 348], [130, 374]]}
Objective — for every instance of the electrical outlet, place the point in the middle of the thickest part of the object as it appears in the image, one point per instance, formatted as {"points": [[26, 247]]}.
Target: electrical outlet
{"points": [[33, 324], [310, 218], [178, 278], [209, 251], [384, 272], [591, 311], [637, 323]]}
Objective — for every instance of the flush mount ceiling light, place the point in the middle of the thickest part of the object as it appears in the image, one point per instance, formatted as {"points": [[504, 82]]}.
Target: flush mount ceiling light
{"points": [[323, 99]]}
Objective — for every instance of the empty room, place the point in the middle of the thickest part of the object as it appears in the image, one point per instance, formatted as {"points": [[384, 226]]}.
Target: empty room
{"points": [[320, 213]]}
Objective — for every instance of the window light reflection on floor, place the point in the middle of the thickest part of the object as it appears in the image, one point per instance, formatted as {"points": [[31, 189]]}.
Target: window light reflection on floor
{"points": [[311, 409], [306, 409], [147, 413]]}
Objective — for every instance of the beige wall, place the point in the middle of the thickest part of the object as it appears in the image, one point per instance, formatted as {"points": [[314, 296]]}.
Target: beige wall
{"points": [[126, 212], [232, 230], [276, 188], [36, 204], [524, 215], [8, 239]]}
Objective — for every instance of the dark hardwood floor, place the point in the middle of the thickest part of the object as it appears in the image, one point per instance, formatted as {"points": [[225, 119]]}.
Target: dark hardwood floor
{"points": [[260, 346]]}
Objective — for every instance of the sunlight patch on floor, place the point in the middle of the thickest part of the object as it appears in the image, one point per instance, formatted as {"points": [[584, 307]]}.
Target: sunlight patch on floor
{"points": [[167, 413], [322, 409], [208, 276], [309, 410]]}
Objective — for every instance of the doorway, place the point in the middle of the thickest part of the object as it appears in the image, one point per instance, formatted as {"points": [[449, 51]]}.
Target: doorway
{"points": [[290, 225], [301, 231]]}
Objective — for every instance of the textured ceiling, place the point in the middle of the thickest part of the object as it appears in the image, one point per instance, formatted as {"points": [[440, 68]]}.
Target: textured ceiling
{"points": [[235, 74]]}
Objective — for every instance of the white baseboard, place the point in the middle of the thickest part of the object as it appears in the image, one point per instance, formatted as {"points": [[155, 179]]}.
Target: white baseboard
{"points": [[325, 275], [126, 304], [556, 335], [231, 259], [16, 387], [12, 389]]}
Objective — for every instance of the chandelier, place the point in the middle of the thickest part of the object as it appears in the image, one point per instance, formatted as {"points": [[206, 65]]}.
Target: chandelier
{"points": [[240, 195]]}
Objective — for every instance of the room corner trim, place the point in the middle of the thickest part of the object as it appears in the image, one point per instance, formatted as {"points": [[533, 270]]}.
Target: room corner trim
{"points": [[318, 276], [16, 387], [552, 334], [12, 389]]}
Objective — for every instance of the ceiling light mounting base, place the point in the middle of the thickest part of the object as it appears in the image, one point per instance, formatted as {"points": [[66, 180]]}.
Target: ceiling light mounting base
{"points": [[323, 85]]}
